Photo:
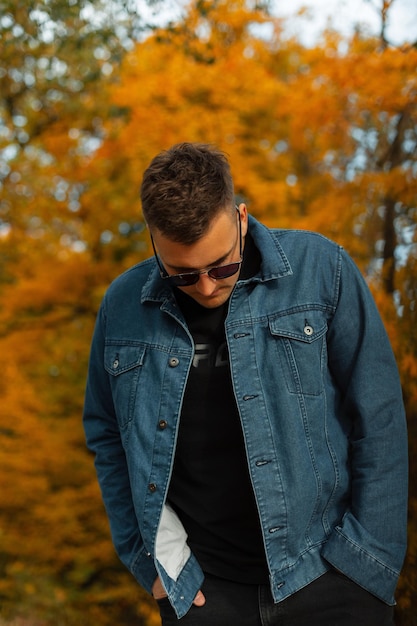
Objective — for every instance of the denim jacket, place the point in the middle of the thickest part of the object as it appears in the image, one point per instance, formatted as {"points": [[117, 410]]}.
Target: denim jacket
{"points": [[320, 403]]}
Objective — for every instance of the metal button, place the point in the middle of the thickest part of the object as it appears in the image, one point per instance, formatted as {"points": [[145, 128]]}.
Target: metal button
{"points": [[152, 487], [308, 330], [163, 424], [173, 361], [274, 529], [115, 364]]}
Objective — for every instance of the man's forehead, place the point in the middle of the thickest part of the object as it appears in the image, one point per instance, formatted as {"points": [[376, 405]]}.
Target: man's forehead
{"points": [[211, 249]]}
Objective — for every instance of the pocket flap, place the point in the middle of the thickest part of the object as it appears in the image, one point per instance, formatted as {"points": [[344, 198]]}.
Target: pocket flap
{"points": [[121, 358], [304, 326]]}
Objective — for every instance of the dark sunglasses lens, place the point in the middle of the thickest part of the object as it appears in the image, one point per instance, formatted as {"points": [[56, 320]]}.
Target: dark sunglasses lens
{"points": [[184, 280], [224, 271]]}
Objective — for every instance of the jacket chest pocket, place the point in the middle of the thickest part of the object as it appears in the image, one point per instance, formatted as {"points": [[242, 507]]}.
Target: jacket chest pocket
{"points": [[124, 365], [300, 342]]}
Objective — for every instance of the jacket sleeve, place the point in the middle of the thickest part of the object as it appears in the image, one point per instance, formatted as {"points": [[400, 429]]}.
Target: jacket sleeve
{"points": [[369, 543], [104, 440]]}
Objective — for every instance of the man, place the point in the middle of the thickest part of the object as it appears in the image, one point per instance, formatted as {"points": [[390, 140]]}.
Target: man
{"points": [[245, 411]]}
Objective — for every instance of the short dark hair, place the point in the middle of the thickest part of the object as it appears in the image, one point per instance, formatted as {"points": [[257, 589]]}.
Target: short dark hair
{"points": [[184, 188]]}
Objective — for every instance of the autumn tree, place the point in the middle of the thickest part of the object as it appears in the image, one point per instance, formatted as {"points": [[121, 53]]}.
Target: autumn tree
{"points": [[319, 137], [56, 58]]}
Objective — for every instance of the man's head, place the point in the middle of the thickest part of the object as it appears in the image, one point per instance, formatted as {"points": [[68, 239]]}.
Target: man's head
{"points": [[184, 188], [197, 231]]}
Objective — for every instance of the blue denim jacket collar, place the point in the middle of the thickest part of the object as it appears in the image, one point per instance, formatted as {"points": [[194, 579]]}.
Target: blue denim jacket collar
{"points": [[275, 264]]}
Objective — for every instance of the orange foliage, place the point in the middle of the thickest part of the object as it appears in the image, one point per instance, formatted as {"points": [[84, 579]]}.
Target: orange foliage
{"points": [[318, 139]]}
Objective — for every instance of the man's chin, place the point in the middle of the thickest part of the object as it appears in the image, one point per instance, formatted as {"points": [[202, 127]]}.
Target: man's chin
{"points": [[211, 302]]}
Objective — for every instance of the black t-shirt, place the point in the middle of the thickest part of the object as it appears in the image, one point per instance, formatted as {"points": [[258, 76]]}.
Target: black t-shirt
{"points": [[210, 487]]}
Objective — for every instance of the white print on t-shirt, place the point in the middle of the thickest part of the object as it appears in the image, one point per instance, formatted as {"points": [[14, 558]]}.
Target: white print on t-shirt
{"points": [[209, 355]]}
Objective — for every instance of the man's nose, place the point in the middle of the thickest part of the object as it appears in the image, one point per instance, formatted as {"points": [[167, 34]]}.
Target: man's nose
{"points": [[206, 285]]}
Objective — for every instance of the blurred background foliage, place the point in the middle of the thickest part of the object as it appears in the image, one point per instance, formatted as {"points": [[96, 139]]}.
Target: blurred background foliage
{"points": [[322, 137]]}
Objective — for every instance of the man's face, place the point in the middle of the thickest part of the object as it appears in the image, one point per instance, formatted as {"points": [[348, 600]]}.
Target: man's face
{"points": [[219, 246]]}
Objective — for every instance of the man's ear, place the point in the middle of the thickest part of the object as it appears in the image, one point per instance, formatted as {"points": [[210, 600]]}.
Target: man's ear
{"points": [[243, 217]]}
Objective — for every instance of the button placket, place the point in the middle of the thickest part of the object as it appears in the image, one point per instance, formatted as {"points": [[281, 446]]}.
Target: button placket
{"points": [[264, 465]]}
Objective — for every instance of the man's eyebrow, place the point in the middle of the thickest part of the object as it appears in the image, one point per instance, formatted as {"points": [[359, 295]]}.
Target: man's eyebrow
{"points": [[185, 270]]}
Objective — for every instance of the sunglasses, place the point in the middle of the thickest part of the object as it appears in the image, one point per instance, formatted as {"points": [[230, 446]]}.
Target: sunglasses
{"points": [[186, 279]]}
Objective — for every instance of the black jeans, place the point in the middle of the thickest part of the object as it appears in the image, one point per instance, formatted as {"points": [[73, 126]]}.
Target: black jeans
{"points": [[331, 600]]}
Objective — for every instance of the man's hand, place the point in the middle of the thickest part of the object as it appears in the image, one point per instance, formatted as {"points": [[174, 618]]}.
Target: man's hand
{"points": [[200, 599], [159, 592]]}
